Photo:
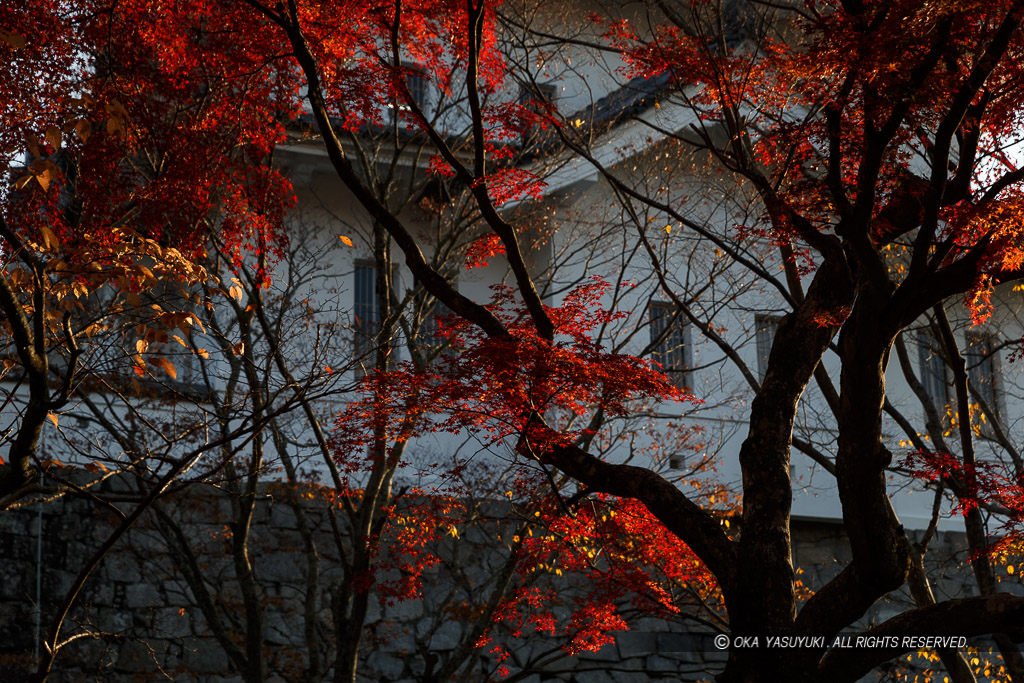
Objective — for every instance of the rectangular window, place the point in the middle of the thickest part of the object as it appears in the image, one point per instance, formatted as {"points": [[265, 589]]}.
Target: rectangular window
{"points": [[935, 374], [670, 342], [416, 82], [365, 310], [534, 98], [767, 326], [983, 369]]}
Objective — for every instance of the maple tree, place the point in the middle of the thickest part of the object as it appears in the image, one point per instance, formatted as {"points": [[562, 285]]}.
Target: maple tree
{"points": [[121, 159], [100, 141], [853, 136], [135, 164], [869, 138]]}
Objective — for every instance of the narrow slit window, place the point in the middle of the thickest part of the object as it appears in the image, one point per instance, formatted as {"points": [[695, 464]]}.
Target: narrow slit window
{"points": [[366, 309], [670, 343], [935, 374], [983, 369]]}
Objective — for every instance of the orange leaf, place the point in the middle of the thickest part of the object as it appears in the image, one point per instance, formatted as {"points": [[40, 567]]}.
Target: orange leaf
{"points": [[83, 129], [192, 319], [54, 136], [346, 240], [53, 418], [165, 365], [32, 142], [49, 237]]}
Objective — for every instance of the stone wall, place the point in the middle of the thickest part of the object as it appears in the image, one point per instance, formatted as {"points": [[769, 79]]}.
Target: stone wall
{"points": [[149, 626]]}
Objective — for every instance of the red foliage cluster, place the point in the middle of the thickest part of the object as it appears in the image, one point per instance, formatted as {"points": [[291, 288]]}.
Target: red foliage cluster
{"points": [[618, 552], [838, 84], [982, 483], [495, 385], [159, 118], [492, 388], [405, 548], [482, 250]]}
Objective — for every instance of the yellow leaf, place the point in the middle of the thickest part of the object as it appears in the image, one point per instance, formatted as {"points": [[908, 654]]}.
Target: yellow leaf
{"points": [[235, 292], [53, 418], [668, 229], [203, 353], [346, 240], [141, 346], [181, 341], [22, 182]]}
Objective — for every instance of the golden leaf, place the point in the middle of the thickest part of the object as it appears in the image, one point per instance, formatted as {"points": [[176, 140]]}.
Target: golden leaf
{"points": [[32, 142], [166, 366], [45, 178], [53, 418], [83, 129], [49, 238], [54, 136], [346, 240]]}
